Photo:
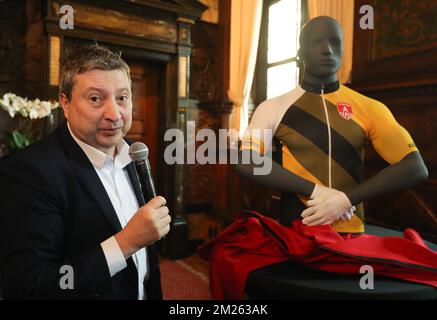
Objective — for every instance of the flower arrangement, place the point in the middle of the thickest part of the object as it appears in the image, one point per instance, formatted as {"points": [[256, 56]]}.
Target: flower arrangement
{"points": [[26, 111]]}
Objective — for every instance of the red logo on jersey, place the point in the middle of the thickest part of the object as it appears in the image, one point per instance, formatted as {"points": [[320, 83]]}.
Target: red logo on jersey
{"points": [[345, 110]]}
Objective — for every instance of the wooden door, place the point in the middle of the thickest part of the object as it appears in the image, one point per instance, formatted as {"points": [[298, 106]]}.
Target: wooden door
{"points": [[145, 80]]}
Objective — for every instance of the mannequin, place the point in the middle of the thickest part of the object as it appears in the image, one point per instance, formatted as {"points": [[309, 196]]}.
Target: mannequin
{"points": [[322, 127]]}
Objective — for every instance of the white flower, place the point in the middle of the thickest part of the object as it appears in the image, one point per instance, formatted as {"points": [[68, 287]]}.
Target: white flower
{"points": [[11, 112], [18, 105], [5, 102], [33, 109], [33, 114], [45, 108]]}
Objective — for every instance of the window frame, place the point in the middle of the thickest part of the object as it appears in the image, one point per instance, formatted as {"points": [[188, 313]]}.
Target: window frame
{"points": [[262, 57]]}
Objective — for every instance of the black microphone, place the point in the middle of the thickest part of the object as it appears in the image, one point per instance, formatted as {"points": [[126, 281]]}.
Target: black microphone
{"points": [[139, 153]]}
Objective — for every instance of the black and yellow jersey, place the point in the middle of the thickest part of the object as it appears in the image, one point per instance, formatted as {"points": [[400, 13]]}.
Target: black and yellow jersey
{"points": [[323, 138]]}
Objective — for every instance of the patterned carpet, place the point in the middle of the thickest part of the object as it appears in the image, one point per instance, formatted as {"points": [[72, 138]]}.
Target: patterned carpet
{"points": [[181, 281]]}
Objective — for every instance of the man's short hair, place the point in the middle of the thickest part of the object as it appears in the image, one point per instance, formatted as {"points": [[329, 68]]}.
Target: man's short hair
{"points": [[80, 59]]}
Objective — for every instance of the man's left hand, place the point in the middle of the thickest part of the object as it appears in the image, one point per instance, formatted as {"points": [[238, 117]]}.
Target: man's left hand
{"points": [[327, 210]]}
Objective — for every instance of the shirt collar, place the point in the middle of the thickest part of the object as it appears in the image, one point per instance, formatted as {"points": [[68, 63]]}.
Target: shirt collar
{"points": [[99, 159], [327, 88]]}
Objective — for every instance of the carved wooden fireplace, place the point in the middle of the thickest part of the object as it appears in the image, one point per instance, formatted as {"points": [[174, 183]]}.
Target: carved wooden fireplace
{"points": [[154, 38]]}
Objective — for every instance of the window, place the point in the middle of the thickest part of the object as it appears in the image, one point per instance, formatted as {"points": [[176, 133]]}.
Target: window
{"points": [[278, 71]]}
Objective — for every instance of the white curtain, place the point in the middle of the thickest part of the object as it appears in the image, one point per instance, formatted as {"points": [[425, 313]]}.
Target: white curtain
{"points": [[245, 27], [343, 12]]}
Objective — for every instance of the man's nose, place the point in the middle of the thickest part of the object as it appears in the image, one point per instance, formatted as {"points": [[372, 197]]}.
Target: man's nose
{"points": [[112, 110]]}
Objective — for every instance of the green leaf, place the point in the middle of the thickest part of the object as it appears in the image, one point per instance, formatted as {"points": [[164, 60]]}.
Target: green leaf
{"points": [[20, 140]]}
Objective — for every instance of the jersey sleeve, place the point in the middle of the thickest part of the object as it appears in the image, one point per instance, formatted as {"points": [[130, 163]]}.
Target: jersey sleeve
{"points": [[390, 140], [259, 133]]}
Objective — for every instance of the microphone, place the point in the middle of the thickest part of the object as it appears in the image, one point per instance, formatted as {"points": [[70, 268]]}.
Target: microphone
{"points": [[139, 153]]}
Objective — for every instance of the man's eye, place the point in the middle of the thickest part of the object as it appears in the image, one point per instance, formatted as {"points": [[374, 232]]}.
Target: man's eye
{"points": [[95, 99], [123, 98]]}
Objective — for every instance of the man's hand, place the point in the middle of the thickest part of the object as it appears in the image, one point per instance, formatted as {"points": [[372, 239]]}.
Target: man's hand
{"points": [[149, 224], [328, 206]]}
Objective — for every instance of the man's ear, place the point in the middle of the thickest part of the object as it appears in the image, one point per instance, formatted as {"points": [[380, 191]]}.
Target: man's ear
{"points": [[63, 100]]}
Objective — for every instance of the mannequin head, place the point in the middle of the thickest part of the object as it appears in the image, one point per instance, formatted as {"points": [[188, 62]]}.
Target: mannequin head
{"points": [[321, 49]]}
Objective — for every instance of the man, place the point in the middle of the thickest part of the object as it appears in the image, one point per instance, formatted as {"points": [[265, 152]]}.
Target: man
{"points": [[74, 198], [322, 127]]}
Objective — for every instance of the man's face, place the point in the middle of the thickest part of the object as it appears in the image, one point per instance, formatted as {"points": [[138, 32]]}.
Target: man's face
{"points": [[322, 49], [100, 109]]}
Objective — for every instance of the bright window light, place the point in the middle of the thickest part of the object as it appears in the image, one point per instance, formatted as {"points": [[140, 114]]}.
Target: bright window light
{"points": [[281, 78], [282, 45]]}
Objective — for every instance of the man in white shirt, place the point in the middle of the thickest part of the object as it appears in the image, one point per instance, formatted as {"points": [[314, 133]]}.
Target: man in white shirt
{"points": [[80, 202]]}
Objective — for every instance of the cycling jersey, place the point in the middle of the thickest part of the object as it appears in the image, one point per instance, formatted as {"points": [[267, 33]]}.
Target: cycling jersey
{"points": [[322, 133]]}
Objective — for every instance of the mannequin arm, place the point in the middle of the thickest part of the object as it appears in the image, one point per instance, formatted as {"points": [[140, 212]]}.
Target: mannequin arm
{"points": [[278, 178], [398, 176]]}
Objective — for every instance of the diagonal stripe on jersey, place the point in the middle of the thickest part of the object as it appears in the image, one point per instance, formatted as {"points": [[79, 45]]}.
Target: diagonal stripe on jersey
{"points": [[316, 131]]}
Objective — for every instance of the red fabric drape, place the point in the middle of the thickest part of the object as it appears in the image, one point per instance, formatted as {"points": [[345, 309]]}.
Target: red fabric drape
{"points": [[254, 241]]}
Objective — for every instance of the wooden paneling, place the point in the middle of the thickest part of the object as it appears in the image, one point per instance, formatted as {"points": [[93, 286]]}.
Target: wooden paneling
{"points": [[401, 71], [12, 46], [122, 23], [402, 44], [145, 79], [199, 189], [208, 185]]}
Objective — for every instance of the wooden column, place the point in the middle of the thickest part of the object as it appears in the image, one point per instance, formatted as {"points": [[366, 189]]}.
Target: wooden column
{"points": [[176, 245]]}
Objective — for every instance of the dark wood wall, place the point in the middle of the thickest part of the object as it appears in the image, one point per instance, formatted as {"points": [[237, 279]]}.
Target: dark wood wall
{"points": [[396, 63]]}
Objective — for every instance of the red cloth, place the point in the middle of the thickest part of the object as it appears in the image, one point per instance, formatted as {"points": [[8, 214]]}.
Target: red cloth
{"points": [[253, 241]]}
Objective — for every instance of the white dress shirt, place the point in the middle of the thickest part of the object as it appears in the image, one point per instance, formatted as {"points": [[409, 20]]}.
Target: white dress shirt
{"points": [[119, 189]]}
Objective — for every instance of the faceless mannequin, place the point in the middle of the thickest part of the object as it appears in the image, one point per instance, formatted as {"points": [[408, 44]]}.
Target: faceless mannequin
{"points": [[321, 49]]}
